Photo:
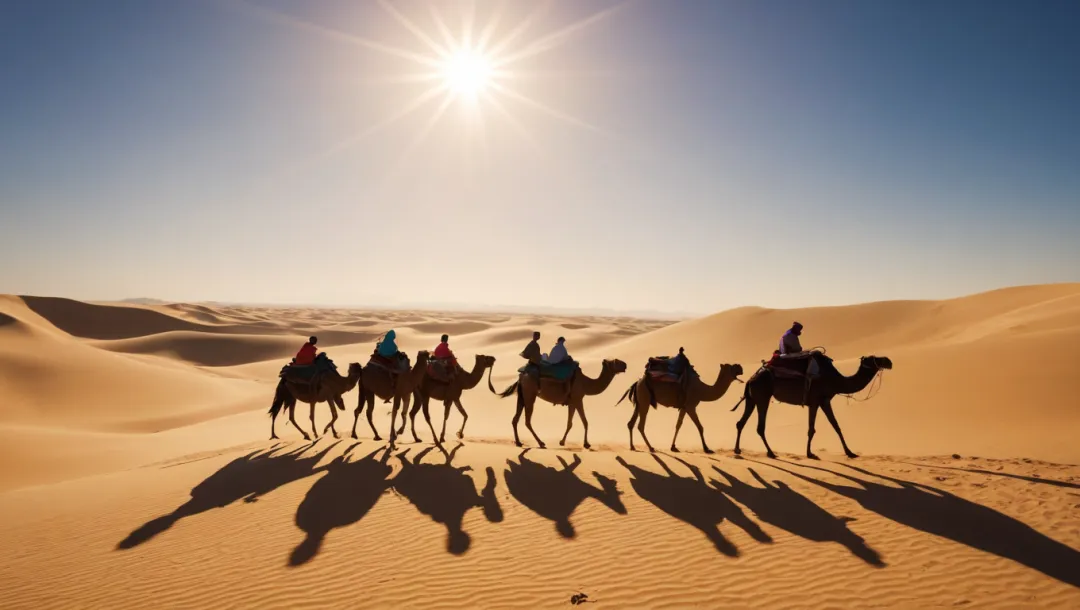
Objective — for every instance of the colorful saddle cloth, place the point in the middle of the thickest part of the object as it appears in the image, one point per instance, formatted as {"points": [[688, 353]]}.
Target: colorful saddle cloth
{"points": [[659, 368], [444, 370], [306, 373], [559, 372], [397, 365]]}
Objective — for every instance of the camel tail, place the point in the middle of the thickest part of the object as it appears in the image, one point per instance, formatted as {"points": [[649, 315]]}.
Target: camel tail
{"points": [[510, 390], [630, 393], [281, 396], [745, 395]]}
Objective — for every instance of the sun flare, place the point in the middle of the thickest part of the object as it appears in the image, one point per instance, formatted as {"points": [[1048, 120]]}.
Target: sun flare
{"points": [[467, 72]]}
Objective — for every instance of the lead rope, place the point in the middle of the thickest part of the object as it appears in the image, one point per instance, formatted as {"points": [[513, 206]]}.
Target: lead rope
{"points": [[871, 390]]}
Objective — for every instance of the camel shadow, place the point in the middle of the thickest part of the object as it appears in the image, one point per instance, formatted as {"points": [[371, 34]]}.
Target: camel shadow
{"points": [[936, 511], [555, 493], [1008, 475], [787, 509], [249, 478], [347, 492], [445, 493], [694, 501]]}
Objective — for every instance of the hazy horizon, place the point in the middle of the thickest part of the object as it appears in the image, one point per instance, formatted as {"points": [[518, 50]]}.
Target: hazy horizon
{"points": [[626, 156]]}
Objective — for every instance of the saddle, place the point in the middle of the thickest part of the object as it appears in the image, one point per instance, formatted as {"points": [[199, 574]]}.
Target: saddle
{"points": [[443, 370], [394, 366], [658, 368], [561, 371], [307, 373]]}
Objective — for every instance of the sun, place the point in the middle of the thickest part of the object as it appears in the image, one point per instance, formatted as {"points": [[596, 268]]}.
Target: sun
{"points": [[467, 72]]}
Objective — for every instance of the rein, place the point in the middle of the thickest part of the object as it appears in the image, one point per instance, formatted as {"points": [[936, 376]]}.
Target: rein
{"points": [[871, 390]]}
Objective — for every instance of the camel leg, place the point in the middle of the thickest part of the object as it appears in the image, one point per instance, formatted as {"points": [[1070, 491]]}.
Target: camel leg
{"points": [[292, 418], [528, 424], [517, 417], [370, 398], [569, 423], [273, 434], [585, 422], [333, 416], [763, 412], [314, 432], [810, 431], [427, 416], [692, 411], [393, 418], [678, 424], [464, 417], [356, 414], [827, 408], [418, 402], [630, 426], [748, 410], [446, 416]]}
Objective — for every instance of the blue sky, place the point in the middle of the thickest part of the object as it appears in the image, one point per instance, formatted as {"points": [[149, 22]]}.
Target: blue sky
{"points": [[679, 156]]}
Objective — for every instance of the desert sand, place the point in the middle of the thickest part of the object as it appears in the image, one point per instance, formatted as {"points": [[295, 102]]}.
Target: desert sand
{"points": [[136, 470]]}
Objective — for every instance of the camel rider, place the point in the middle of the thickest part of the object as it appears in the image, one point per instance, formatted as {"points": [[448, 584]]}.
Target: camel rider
{"points": [[791, 347], [387, 348], [445, 355], [679, 364], [789, 342], [306, 355], [558, 352], [531, 352]]}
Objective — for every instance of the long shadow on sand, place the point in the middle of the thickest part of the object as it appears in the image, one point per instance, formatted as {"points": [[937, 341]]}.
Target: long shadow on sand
{"points": [[694, 501], [445, 493], [555, 493], [783, 507], [936, 511], [249, 477], [347, 492], [1008, 475]]}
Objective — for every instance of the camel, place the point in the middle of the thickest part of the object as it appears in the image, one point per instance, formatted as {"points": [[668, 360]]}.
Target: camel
{"points": [[684, 397], [764, 386], [328, 388], [555, 392], [378, 382], [449, 394]]}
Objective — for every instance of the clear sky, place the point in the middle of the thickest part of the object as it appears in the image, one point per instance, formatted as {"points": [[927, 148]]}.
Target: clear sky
{"points": [[647, 155]]}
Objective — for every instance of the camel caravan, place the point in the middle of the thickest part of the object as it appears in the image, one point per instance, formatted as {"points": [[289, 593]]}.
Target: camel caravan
{"points": [[792, 376]]}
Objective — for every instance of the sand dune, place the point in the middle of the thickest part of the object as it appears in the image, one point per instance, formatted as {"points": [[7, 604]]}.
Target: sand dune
{"points": [[133, 440]]}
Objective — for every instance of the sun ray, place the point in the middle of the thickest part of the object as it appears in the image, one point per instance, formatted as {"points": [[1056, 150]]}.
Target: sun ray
{"points": [[489, 30], [555, 39], [520, 29], [412, 27], [332, 34], [514, 123], [508, 92], [419, 138], [448, 37], [467, 18]]}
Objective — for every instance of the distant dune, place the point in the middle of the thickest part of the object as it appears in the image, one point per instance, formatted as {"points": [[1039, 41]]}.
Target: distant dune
{"points": [[130, 433]]}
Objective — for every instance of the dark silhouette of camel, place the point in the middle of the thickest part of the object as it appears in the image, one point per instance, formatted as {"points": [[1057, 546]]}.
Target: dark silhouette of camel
{"points": [[943, 514], [445, 493], [347, 492], [555, 493], [787, 509], [692, 500], [249, 477], [1008, 475]]}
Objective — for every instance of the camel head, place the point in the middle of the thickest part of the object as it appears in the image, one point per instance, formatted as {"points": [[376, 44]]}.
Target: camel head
{"points": [[355, 368], [617, 365], [877, 362], [731, 370], [422, 357], [485, 361]]}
